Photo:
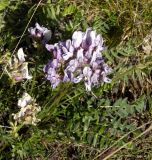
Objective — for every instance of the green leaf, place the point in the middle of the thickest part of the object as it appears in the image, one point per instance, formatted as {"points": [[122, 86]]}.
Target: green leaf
{"points": [[3, 4], [69, 10], [95, 139]]}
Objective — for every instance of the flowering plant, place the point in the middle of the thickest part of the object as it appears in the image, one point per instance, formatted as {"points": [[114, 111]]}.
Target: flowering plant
{"points": [[40, 32], [80, 60], [17, 67], [28, 110], [76, 60]]}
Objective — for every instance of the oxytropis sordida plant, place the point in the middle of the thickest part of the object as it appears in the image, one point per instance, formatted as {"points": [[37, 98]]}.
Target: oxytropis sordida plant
{"points": [[74, 60]]}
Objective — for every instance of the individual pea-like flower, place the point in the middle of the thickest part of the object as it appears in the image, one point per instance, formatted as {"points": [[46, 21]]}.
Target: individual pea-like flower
{"points": [[77, 39], [25, 100], [28, 110], [17, 68], [40, 32], [77, 60]]}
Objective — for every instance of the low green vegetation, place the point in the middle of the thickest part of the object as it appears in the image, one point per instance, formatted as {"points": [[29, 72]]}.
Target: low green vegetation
{"points": [[114, 120]]}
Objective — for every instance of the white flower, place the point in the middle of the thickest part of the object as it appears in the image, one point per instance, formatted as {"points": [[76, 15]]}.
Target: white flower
{"points": [[24, 71], [25, 100], [18, 68], [28, 110], [21, 55]]}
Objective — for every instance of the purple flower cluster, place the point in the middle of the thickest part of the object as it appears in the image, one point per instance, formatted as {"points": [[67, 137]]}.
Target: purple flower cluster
{"points": [[40, 32], [78, 60]]}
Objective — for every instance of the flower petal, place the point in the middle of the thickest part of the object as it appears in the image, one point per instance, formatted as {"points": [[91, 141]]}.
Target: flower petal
{"points": [[94, 56], [39, 28], [47, 34], [87, 41], [67, 55], [32, 31], [68, 76], [78, 78], [21, 55], [68, 44], [93, 38], [49, 47], [55, 82], [95, 78], [77, 38], [72, 65], [25, 100], [88, 85], [87, 72], [105, 78], [80, 55], [88, 53], [24, 71]]}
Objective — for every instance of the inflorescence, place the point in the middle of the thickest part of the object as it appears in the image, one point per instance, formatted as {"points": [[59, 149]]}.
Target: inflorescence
{"points": [[75, 60], [17, 67], [28, 110]]}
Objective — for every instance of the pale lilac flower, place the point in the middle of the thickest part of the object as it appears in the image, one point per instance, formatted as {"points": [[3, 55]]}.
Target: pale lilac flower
{"points": [[49, 47], [94, 56], [68, 76], [67, 55], [78, 78], [94, 65], [72, 65], [52, 75], [105, 78], [99, 43], [40, 32], [88, 53], [69, 46], [80, 56], [55, 80], [80, 59], [93, 39], [77, 39], [87, 72], [57, 52], [87, 41], [106, 68], [95, 77]]}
